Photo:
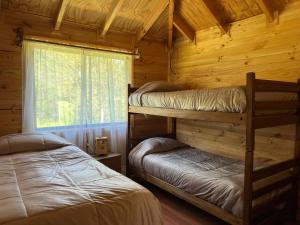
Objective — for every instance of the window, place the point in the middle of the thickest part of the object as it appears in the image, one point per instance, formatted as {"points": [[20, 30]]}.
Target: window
{"points": [[71, 87]]}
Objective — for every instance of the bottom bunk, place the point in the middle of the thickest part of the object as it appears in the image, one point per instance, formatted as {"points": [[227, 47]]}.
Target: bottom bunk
{"points": [[208, 181]]}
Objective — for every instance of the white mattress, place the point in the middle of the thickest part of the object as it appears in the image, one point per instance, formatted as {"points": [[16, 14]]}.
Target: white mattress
{"points": [[231, 99], [226, 99]]}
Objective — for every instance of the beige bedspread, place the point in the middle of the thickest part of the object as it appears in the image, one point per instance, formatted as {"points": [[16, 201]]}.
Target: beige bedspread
{"points": [[45, 180]]}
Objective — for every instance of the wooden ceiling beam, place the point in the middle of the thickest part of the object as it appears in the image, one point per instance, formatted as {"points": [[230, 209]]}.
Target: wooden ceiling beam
{"points": [[61, 12], [111, 16], [170, 23], [161, 6], [170, 39], [214, 15], [267, 8], [183, 27]]}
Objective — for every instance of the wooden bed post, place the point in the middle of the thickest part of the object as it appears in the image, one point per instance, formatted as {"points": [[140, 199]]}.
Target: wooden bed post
{"points": [[250, 145], [171, 127], [128, 139], [297, 159]]}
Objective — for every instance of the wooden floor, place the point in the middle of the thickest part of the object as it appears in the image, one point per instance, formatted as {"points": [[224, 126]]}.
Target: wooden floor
{"points": [[178, 212]]}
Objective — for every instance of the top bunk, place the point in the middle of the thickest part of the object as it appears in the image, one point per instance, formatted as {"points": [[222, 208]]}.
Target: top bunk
{"points": [[268, 103]]}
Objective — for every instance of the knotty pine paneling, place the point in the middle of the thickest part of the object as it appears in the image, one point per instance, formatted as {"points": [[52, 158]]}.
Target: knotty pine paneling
{"points": [[151, 66], [10, 83], [10, 80], [272, 51], [10, 121], [147, 126], [230, 139], [93, 13]]}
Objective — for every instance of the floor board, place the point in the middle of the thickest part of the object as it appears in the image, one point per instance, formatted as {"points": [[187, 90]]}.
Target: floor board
{"points": [[177, 212]]}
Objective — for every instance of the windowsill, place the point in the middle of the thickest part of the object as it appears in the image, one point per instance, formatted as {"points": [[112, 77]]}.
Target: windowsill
{"points": [[101, 125]]}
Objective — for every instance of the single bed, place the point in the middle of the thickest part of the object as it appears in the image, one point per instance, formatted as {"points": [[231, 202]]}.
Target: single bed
{"points": [[46, 180], [213, 178]]}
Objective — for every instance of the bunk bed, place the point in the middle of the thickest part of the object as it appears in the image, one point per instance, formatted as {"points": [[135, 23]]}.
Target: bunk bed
{"points": [[257, 182]]}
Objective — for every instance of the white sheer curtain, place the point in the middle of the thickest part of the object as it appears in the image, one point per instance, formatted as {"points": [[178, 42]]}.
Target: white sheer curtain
{"points": [[75, 93]]}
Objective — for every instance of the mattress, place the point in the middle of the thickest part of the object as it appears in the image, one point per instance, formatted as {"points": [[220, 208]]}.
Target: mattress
{"points": [[45, 180], [214, 178], [222, 99], [226, 99]]}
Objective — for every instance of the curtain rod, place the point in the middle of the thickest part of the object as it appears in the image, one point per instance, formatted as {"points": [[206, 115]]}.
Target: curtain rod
{"points": [[81, 45]]}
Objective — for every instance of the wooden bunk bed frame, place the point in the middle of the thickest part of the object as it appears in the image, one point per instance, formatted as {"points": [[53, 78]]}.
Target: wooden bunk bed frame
{"points": [[267, 213]]}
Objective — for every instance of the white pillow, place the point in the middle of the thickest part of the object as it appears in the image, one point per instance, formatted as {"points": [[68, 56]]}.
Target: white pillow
{"points": [[27, 142], [158, 86]]}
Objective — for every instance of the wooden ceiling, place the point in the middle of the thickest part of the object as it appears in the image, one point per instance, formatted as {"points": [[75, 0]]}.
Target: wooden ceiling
{"points": [[147, 18]]}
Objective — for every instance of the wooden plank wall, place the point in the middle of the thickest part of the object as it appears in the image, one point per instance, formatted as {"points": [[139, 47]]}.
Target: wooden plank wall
{"points": [[270, 50], [151, 66], [230, 139], [10, 82]]}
